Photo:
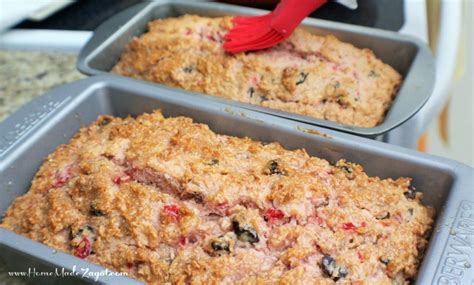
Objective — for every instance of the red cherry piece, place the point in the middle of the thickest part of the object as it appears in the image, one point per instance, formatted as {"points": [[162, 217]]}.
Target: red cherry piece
{"points": [[254, 80], [62, 176], [222, 205], [274, 214], [172, 211], [183, 241], [319, 220], [349, 226], [83, 249], [121, 178]]}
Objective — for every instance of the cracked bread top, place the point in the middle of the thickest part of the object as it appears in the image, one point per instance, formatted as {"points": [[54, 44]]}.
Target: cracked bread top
{"points": [[307, 74], [167, 200]]}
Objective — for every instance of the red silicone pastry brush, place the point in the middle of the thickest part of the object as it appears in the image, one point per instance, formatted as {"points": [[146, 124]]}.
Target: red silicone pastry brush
{"points": [[259, 32]]}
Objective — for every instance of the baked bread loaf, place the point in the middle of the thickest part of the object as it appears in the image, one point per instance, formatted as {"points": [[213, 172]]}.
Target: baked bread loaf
{"points": [[169, 201], [316, 76]]}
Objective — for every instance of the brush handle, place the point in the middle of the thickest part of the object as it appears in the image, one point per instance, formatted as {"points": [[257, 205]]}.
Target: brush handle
{"points": [[290, 13]]}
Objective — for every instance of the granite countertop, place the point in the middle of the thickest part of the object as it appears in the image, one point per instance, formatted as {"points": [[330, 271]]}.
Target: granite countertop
{"points": [[23, 76]]}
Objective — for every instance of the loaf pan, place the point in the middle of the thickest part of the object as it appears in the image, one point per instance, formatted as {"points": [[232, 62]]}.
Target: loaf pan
{"points": [[37, 128], [407, 55]]}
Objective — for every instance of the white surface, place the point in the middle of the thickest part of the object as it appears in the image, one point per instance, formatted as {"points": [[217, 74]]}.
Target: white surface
{"points": [[416, 21], [460, 144], [50, 9], [447, 47], [71, 41], [351, 4], [14, 11]]}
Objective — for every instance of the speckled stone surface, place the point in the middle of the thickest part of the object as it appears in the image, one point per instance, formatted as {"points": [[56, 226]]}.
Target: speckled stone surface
{"points": [[25, 75]]}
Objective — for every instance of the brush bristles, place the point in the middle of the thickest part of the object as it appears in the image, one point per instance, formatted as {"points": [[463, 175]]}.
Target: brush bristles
{"points": [[251, 33]]}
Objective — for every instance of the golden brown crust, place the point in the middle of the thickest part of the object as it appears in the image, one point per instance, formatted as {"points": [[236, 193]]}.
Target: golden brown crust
{"points": [[168, 200], [307, 74]]}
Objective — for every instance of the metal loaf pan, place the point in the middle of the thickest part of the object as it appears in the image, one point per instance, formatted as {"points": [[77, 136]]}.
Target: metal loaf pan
{"points": [[37, 128], [406, 54]]}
